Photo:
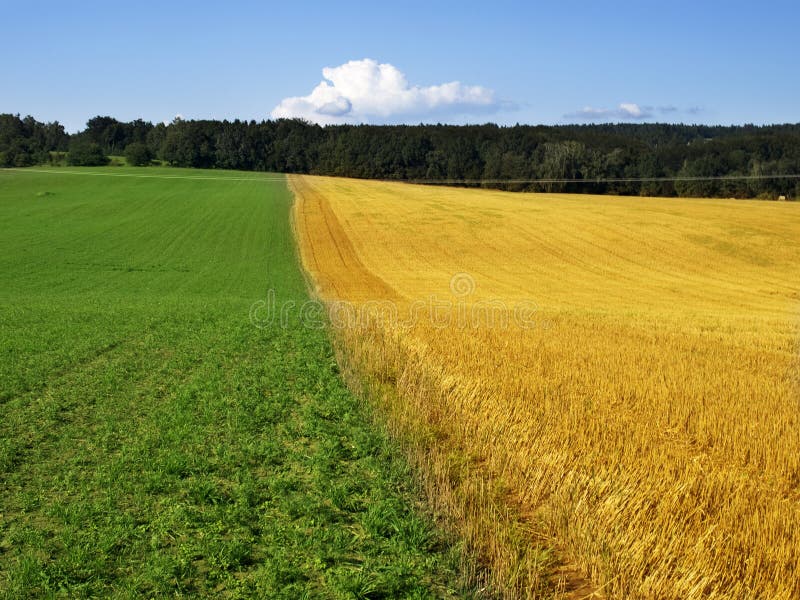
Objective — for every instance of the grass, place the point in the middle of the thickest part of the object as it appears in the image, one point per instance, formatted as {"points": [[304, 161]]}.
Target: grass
{"points": [[644, 428], [154, 442]]}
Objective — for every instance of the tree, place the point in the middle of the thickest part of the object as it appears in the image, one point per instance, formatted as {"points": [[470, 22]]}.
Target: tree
{"points": [[561, 160], [604, 158], [83, 153], [25, 142], [103, 131], [138, 154]]}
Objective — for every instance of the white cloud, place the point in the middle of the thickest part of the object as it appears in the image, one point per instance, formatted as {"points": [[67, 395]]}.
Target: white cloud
{"points": [[629, 111], [364, 91], [626, 111]]}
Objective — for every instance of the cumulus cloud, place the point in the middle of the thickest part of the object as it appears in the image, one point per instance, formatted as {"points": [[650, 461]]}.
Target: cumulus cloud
{"points": [[629, 111], [364, 91], [626, 111]]}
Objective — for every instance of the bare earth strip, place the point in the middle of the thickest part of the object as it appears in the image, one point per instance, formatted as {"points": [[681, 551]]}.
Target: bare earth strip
{"points": [[644, 423]]}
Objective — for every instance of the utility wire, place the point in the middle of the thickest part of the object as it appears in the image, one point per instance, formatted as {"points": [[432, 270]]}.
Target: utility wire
{"points": [[787, 176]]}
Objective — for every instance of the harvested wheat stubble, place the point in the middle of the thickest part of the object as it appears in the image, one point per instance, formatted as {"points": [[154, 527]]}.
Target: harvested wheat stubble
{"points": [[646, 425]]}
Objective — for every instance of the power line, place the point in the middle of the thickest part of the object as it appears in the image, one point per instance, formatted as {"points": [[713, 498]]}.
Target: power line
{"points": [[596, 180]]}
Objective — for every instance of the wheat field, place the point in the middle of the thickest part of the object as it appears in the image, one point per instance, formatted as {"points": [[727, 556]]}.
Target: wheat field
{"points": [[637, 434]]}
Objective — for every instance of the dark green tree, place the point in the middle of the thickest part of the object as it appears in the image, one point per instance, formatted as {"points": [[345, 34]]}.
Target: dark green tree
{"points": [[25, 142], [601, 158], [83, 153], [138, 154]]}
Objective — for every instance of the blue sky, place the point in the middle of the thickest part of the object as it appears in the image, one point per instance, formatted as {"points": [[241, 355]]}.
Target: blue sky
{"points": [[527, 62]]}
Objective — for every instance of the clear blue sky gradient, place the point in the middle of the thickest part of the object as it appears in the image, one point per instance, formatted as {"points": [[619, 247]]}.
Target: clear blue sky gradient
{"points": [[715, 62]]}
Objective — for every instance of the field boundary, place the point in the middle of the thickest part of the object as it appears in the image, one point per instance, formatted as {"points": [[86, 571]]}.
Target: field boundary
{"points": [[506, 553]]}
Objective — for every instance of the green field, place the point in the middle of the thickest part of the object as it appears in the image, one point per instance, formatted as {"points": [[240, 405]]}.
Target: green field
{"points": [[152, 440]]}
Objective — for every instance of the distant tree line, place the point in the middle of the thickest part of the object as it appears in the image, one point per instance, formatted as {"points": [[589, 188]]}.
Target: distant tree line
{"points": [[498, 157], [26, 142]]}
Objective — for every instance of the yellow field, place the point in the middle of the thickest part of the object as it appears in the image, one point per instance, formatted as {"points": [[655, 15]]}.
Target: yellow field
{"points": [[643, 423]]}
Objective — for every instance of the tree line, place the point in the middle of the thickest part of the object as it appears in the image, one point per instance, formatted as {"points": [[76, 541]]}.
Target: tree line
{"points": [[472, 155]]}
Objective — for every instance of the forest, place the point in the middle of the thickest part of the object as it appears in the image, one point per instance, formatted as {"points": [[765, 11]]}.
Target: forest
{"points": [[746, 161]]}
